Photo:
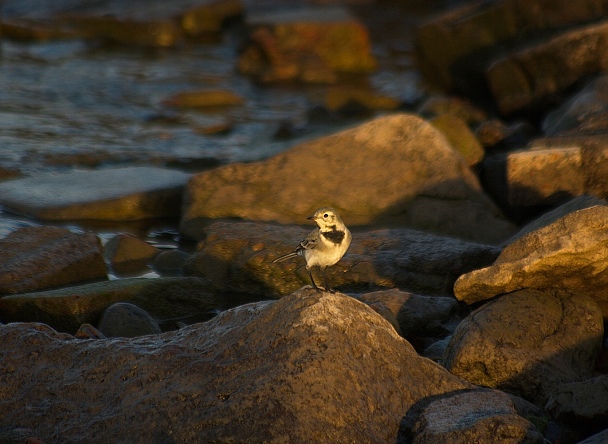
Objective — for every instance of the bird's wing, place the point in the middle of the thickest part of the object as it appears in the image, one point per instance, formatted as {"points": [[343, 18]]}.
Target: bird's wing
{"points": [[310, 242]]}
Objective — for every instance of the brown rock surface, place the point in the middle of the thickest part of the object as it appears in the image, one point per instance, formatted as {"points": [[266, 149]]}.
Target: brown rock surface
{"points": [[395, 170], [312, 367], [237, 257], [570, 253], [35, 258], [528, 342]]}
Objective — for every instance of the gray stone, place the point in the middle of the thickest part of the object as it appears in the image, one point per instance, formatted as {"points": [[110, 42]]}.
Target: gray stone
{"points": [[237, 257], [481, 416], [312, 367], [127, 321], [393, 171], [112, 194], [570, 253], [66, 309], [36, 258], [528, 342], [581, 401]]}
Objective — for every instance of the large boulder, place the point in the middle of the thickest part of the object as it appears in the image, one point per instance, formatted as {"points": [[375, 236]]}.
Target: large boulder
{"points": [[65, 309], [237, 257], [111, 194], [35, 258], [395, 170], [312, 367], [581, 401], [570, 253], [528, 342]]}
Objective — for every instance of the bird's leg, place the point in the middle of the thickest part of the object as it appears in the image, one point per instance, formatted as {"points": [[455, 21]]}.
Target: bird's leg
{"points": [[312, 280], [327, 287]]}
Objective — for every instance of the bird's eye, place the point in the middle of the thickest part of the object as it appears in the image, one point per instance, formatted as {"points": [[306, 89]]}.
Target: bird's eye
{"points": [[325, 215]]}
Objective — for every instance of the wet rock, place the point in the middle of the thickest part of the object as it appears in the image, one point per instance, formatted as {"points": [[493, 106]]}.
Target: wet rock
{"points": [[174, 385], [308, 45], [35, 258], [528, 342], [204, 99], [111, 194], [460, 137], [124, 249], [417, 315], [455, 47], [127, 320], [569, 254], [170, 262], [237, 257], [523, 78], [425, 184], [209, 17], [66, 309], [584, 401], [481, 416]]}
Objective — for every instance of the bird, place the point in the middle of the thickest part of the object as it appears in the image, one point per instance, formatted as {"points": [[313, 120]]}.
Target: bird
{"points": [[324, 246]]}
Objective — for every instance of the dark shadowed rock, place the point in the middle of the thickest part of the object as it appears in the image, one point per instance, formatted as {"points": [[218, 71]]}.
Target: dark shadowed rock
{"points": [[467, 416], [598, 438], [395, 170], [581, 401], [237, 257], [111, 194], [209, 16], [570, 253], [127, 320], [528, 342], [35, 258], [312, 367], [66, 309]]}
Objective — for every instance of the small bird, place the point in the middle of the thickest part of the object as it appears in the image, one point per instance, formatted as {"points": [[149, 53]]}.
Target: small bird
{"points": [[325, 245]]}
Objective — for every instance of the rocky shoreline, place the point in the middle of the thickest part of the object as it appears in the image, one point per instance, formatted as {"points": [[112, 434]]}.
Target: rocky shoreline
{"points": [[470, 307]]}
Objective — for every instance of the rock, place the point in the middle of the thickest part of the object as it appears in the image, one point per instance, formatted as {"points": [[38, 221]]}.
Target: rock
{"points": [[18, 435], [569, 254], [87, 331], [305, 44], [477, 415], [523, 78], [209, 17], [204, 99], [125, 248], [460, 137], [425, 184], [528, 342], [312, 367], [583, 401], [170, 262], [497, 134], [127, 320], [337, 98], [598, 438], [237, 257], [586, 112], [111, 194], [66, 309], [35, 258], [438, 105], [417, 315], [436, 350], [455, 47]]}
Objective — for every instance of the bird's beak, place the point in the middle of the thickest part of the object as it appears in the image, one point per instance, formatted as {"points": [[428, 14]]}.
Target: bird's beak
{"points": [[310, 218]]}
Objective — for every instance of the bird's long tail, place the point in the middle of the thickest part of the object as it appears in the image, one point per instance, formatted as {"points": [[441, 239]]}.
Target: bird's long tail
{"points": [[285, 257]]}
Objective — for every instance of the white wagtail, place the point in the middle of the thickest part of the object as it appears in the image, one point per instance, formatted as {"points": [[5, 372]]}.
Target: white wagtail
{"points": [[325, 245]]}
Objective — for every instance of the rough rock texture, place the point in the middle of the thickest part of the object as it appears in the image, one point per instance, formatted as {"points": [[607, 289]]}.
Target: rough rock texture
{"points": [[127, 320], [581, 401], [416, 314], [570, 253], [528, 342], [237, 256], [310, 45], [109, 194], [65, 309], [424, 184], [35, 258], [480, 416], [312, 367]]}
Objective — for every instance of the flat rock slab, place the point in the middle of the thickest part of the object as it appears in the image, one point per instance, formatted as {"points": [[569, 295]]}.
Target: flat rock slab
{"points": [[66, 309], [111, 194], [312, 367], [36, 258], [392, 171], [237, 256], [570, 253]]}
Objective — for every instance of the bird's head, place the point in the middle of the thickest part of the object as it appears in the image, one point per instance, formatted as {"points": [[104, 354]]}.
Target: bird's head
{"points": [[326, 218]]}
